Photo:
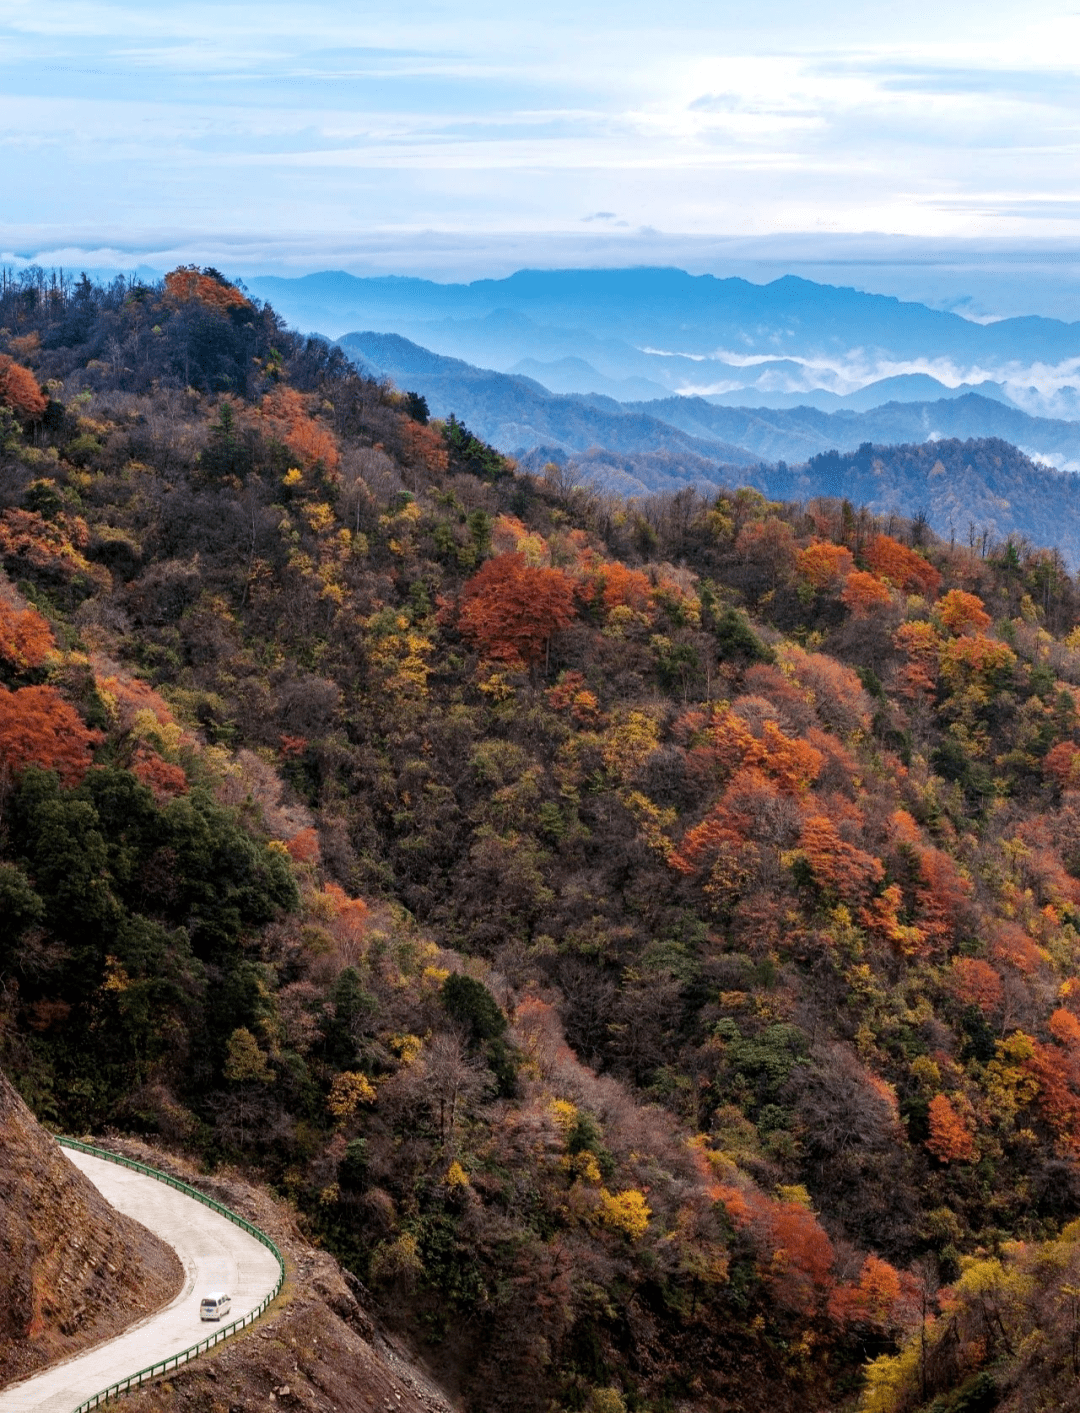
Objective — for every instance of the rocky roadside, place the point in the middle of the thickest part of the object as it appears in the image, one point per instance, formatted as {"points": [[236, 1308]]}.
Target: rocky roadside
{"points": [[73, 1271]]}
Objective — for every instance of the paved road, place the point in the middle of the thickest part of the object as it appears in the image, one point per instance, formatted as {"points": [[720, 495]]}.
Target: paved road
{"points": [[216, 1255]]}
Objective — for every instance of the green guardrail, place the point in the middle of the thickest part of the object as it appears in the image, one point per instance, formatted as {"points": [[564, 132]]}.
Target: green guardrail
{"points": [[174, 1361]]}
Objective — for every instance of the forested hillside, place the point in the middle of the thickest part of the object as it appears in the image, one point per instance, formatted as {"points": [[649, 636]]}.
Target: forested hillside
{"points": [[642, 939]]}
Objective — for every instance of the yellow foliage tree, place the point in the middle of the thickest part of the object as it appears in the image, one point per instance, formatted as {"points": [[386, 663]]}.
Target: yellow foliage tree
{"points": [[625, 1211], [348, 1091]]}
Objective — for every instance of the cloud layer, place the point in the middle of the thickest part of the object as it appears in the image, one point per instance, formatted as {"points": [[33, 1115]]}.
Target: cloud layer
{"points": [[150, 128]]}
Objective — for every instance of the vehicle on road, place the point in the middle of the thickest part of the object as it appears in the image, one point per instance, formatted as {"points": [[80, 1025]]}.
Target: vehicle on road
{"points": [[213, 1307]]}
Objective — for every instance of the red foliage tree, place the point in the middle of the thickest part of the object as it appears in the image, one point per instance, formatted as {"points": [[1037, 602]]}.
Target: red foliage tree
{"points": [[19, 390], [1062, 765], [1015, 948], [768, 553], [944, 894], [510, 609], [37, 727], [1053, 1071], [920, 643]]}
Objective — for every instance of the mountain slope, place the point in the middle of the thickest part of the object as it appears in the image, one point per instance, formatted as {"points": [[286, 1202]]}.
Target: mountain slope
{"points": [[642, 939]]}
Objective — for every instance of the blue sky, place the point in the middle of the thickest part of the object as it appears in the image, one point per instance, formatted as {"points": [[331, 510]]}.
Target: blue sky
{"points": [[475, 137]]}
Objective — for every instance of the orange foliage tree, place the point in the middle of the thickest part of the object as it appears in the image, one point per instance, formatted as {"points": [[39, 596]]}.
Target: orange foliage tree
{"points": [[848, 872], [920, 643], [719, 846], [25, 638], [349, 923], [303, 847], [624, 587], [309, 440], [950, 1138], [165, 779], [882, 1297], [730, 744], [1065, 1027], [824, 565], [422, 445], [863, 593], [891, 560], [187, 282], [976, 983], [19, 390], [795, 1255], [37, 727], [510, 608], [962, 613], [128, 696]]}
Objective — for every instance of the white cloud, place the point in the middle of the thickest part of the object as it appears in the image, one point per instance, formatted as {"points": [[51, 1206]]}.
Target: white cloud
{"points": [[297, 123]]}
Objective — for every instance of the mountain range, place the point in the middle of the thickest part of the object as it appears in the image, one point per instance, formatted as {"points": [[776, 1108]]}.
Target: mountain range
{"points": [[642, 333], [518, 415]]}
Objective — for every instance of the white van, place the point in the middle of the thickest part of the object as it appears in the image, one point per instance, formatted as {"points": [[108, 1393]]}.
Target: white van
{"points": [[213, 1307]]}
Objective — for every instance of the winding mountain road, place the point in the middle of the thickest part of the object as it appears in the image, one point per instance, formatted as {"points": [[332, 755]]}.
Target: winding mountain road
{"points": [[216, 1255]]}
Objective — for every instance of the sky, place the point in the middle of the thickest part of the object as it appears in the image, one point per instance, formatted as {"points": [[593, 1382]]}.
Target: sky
{"points": [[471, 138]]}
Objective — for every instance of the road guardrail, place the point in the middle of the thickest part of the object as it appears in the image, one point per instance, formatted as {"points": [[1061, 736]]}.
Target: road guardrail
{"points": [[174, 1361]]}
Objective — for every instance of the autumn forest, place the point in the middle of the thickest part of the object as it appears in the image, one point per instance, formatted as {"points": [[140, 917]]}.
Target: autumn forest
{"points": [[642, 939]]}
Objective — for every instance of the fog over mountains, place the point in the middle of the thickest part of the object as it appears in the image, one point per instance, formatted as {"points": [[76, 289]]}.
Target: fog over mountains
{"points": [[641, 334], [518, 415]]}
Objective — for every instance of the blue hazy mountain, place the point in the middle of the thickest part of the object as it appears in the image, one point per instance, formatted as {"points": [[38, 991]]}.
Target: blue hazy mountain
{"points": [[575, 375], [518, 415], [723, 338]]}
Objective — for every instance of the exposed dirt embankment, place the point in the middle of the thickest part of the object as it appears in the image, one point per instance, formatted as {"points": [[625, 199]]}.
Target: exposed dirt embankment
{"points": [[315, 1351], [73, 1271]]}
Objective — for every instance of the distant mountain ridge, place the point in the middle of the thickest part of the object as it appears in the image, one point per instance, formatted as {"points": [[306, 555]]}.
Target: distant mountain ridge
{"points": [[517, 414], [635, 332]]}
